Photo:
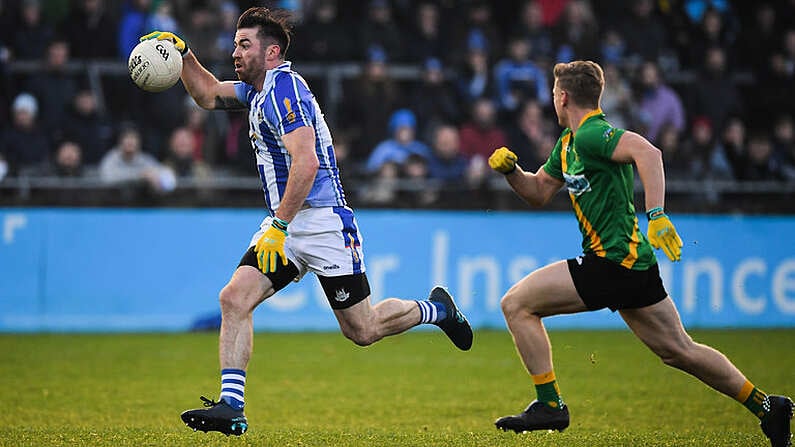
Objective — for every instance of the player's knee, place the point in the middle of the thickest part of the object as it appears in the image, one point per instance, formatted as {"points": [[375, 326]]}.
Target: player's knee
{"points": [[676, 353], [512, 305], [231, 298]]}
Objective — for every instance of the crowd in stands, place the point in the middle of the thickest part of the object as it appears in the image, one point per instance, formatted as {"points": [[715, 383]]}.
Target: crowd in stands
{"points": [[710, 82]]}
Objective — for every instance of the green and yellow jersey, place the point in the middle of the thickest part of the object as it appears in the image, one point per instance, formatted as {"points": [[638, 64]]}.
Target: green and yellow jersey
{"points": [[601, 192]]}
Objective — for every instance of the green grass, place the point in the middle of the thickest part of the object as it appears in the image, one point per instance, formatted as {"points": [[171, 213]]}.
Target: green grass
{"points": [[412, 390]]}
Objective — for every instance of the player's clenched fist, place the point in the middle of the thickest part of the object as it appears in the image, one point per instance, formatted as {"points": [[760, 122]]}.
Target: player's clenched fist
{"points": [[179, 43], [270, 246], [662, 234], [503, 160]]}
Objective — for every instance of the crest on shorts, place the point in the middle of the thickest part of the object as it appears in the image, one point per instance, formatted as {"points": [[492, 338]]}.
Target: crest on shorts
{"points": [[342, 295]]}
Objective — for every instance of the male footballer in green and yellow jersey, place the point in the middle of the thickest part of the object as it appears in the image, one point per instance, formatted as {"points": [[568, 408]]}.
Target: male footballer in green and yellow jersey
{"points": [[618, 269]]}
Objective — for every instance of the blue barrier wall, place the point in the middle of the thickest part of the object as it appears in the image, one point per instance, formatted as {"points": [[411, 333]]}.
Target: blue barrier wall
{"points": [[142, 270]]}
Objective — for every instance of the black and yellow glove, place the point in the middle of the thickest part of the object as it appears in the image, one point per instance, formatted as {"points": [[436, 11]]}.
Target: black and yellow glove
{"points": [[503, 160], [178, 42], [662, 234]]}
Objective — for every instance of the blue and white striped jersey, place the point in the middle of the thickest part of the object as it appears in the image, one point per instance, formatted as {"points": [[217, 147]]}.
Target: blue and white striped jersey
{"points": [[285, 104]]}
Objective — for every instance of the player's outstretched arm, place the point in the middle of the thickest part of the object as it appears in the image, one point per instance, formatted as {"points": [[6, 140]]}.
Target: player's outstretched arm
{"points": [[633, 148], [536, 189], [203, 86]]}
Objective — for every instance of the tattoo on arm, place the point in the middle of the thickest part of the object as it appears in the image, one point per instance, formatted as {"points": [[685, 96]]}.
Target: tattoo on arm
{"points": [[228, 103]]}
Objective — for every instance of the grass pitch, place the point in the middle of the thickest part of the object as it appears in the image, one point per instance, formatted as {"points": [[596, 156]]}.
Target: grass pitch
{"points": [[319, 389]]}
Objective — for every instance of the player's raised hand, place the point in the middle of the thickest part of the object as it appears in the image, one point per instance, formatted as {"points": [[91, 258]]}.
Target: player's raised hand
{"points": [[503, 160], [271, 245], [662, 234], [178, 42]]}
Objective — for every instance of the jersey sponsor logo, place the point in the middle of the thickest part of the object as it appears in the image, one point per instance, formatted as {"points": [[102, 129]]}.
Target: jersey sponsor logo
{"points": [[608, 135], [331, 267], [577, 184], [341, 295], [289, 106]]}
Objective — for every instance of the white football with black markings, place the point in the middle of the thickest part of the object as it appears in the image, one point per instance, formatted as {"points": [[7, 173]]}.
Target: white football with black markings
{"points": [[155, 65]]}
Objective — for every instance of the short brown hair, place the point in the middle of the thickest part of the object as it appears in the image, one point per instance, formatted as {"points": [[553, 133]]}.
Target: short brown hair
{"points": [[582, 80], [271, 24]]}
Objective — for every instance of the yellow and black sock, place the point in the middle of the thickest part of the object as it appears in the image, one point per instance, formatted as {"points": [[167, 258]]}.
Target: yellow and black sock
{"points": [[547, 390], [753, 399]]}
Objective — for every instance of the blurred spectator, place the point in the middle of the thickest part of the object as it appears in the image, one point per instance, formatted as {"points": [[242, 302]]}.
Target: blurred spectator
{"points": [[679, 164], [32, 33], [711, 32], [481, 135], [162, 18], [84, 125], [714, 94], [642, 21], [181, 158], [446, 162], [427, 39], [418, 190], [577, 35], [369, 100], [518, 78], [382, 189], [758, 39], [784, 147], [206, 129], [530, 27], [617, 101], [701, 143], [477, 26], [127, 164], [67, 162], [135, 15], [320, 37], [553, 11], [614, 48], [732, 147], [401, 144], [774, 90], [760, 164], [24, 145], [433, 99], [200, 30], [659, 103], [475, 78], [89, 18], [225, 39], [54, 86], [379, 29], [526, 136]]}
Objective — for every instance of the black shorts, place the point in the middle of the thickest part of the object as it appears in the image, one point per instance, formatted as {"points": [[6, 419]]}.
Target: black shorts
{"points": [[342, 292], [603, 283]]}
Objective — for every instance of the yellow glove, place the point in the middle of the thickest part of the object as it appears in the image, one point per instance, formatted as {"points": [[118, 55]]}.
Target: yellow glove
{"points": [[503, 160], [165, 35], [662, 234], [271, 246]]}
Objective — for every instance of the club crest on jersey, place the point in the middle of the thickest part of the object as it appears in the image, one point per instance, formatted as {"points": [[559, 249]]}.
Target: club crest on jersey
{"points": [[608, 135], [289, 106], [577, 184]]}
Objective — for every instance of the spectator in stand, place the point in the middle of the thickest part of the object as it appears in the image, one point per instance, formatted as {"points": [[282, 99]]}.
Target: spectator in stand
{"points": [[679, 164], [135, 15], [67, 162], [89, 18], [162, 18], [401, 144], [774, 89], [433, 99], [760, 165], [84, 125], [224, 43], [321, 39], [642, 20], [421, 190], [446, 162], [32, 33], [784, 147], [659, 104], [379, 29], [518, 78], [617, 101], [481, 134], [758, 40], [369, 101], [527, 136], [732, 147], [201, 28], [475, 78], [127, 164], [712, 32], [24, 145], [206, 130], [427, 39], [54, 87], [577, 35], [700, 144], [181, 158], [714, 94], [613, 48], [531, 28]]}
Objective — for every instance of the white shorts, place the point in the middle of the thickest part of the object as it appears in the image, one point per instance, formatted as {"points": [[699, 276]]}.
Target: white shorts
{"points": [[325, 241]]}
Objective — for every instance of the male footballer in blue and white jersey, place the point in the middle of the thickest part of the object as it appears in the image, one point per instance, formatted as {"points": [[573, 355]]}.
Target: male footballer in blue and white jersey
{"points": [[309, 227]]}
